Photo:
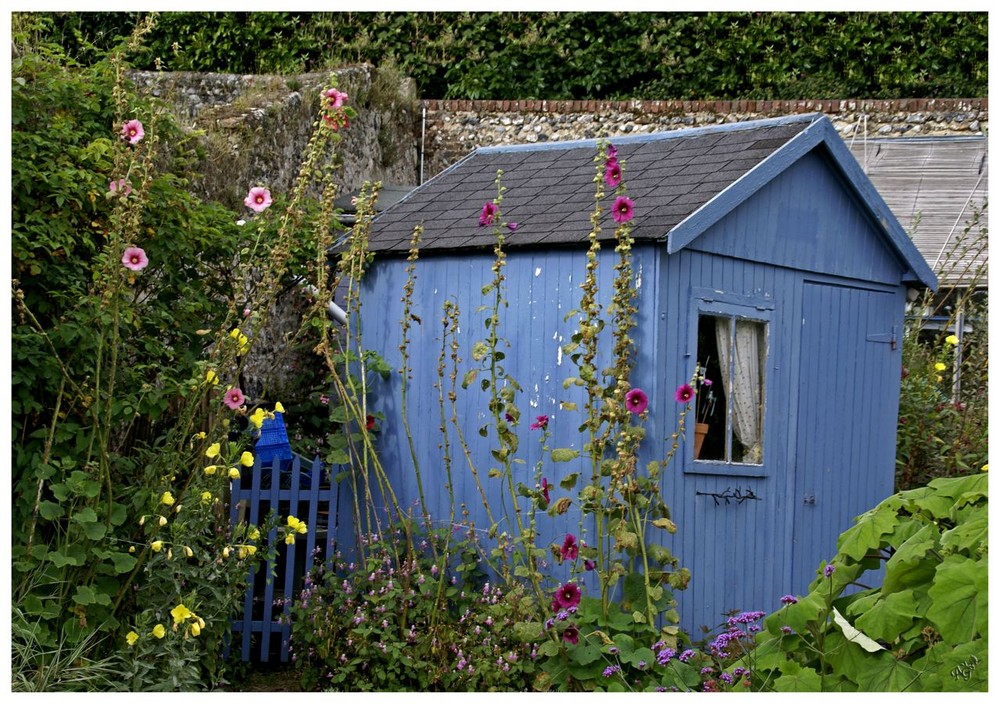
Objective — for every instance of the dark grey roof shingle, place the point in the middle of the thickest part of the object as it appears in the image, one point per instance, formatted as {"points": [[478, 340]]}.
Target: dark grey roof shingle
{"points": [[550, 187]]}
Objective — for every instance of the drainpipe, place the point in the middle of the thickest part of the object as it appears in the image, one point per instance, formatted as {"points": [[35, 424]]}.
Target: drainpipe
{"points": [[336, 312], [423, 133]]}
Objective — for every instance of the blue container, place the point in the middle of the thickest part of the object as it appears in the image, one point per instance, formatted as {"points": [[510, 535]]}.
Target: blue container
{"points": [[273, 441]]}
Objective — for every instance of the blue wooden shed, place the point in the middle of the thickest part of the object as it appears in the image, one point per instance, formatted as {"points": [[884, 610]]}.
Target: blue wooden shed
{"points": [[762, 253]]}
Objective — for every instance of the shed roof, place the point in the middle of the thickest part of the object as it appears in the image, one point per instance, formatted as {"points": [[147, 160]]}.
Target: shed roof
{"points": [[682, 181]]}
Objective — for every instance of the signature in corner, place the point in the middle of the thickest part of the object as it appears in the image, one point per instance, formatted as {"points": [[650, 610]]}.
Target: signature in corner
{"points": [[965, 669]]}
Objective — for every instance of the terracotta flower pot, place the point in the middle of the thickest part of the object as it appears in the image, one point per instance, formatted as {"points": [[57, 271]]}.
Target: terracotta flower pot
{"points": [[700, 431]]}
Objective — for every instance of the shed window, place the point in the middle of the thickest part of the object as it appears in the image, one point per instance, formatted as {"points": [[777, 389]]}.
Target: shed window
{"points": [[731, 353]]}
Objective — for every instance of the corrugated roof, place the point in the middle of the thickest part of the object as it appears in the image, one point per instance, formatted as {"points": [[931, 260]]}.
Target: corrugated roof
{"points": [[933, 185], [550, 186]]}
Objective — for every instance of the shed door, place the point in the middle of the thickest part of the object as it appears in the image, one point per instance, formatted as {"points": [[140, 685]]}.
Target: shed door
{"points": [[846, 420]]}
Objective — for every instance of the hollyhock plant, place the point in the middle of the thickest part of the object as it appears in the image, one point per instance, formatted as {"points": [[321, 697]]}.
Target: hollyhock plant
{"points": [[684, 393], [612, 152], [488, 213], [545, 489], [512, 226], [636, 401], [258, 199], [622, 210], [569, 549], [568, 596], [234, 398], [132, 132], [540, 423], [571, 634], [135, 259]]}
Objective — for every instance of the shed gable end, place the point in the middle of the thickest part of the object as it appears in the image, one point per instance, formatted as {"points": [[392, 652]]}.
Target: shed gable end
{"points": [[806, 218]]}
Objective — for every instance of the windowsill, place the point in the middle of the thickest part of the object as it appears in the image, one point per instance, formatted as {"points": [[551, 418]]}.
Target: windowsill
{"points": [[725, 469]]}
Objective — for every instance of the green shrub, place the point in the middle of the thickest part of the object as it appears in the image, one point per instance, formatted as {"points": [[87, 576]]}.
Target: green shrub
{"points": [[924, 629]]}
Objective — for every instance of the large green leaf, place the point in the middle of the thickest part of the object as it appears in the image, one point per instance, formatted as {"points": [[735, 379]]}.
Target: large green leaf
{"points": [[795, 678], [888, 617], [959, 599], [867, 533]]}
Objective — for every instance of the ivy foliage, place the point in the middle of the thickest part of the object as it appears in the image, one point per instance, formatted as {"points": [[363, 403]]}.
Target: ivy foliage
{"points": [[924, 629], [581, 55]]}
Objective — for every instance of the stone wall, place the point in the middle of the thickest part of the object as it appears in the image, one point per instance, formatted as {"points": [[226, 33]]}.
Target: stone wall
{"points": [[256, 128], [456, 127]]}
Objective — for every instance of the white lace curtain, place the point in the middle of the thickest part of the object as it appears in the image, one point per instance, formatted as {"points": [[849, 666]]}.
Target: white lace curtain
{"points": [[744, 389]]}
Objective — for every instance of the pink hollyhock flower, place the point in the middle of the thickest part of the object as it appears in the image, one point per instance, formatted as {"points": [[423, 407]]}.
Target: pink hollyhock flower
{"points": [[636, 401], [706, 382], [568, 595], [684, 393], [540, 423], [589, 565], [612, 173], [369, 422], [545, 489], [135, 259], [234, 398], [335, 97], [612, 152], [133, 132], [512, 226], [489, 212], [120, 185], [622, 209], [258, 199], [569, 547]]}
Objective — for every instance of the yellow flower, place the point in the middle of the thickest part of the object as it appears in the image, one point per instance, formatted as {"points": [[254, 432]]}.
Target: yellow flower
{"points": [[246, 459], [142, 521], [210, 469], [234, 473], [162, 521], [211, 377], [986, 467], [188, 551], [225, 552], [940, 366], [180, 613], [245, 550], [206, 497], [951, 340], [201, 622], [278, 408], [289, 538], [170, 554], [159, 631], [156, 545], [939, 377], [293, 522], [195, 629], [253, 533], [200, 435], [257, 418], [167, 498], [131, 548], [213, 450], [131, 638]]}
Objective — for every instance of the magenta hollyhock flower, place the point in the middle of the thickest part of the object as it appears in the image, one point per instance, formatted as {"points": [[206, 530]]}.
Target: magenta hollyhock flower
{"points": [[684, 393], [545, 489], [489, 212], [568, 595], [636, 401], [612, 152], [234, 398], [258, 199], [335, 97], [121, 185], [622, 210], [134, 258], [369, 422], [612, 173], [589, 565], [540, 422], [132, 132], [512, 226], [571, 634], [569, 547]]}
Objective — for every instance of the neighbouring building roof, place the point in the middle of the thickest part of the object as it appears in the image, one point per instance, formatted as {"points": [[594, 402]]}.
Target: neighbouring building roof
{"points": [[682, 181], [935, 186]]}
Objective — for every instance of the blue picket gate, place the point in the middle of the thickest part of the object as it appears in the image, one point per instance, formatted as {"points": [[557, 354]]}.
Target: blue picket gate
{"points": [[288, 487]]}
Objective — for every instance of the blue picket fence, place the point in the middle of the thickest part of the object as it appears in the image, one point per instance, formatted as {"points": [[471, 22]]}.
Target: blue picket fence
{"points": [[288, 487]]}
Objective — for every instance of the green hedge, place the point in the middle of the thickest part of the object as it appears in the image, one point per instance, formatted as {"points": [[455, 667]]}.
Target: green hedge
{"points": [[581, 55]]}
